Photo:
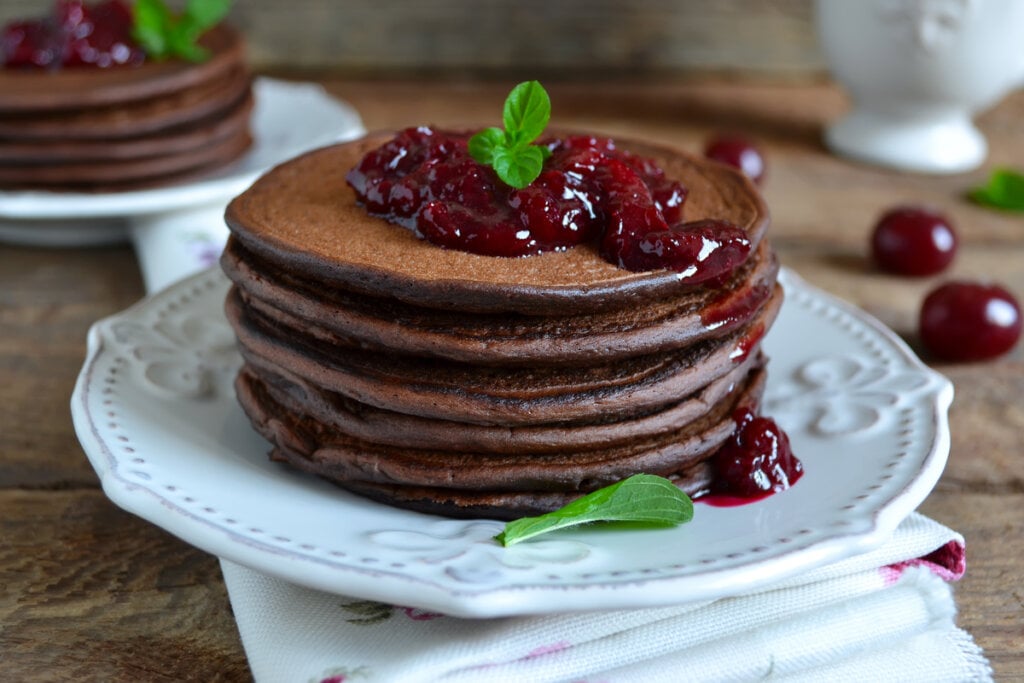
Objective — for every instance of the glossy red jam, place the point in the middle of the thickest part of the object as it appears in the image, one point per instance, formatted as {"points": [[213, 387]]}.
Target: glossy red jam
{"points": [[587, 191], [756, 461], [74, 35], [969, 321]]}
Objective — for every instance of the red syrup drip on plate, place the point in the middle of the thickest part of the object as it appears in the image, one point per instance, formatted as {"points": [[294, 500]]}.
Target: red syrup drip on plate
{"points": [[588, 190], [721, 500], [754, 463]]}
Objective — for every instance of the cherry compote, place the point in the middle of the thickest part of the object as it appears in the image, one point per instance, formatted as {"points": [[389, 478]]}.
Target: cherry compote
{"points": [[738, 152], [911, 240], [969, 321], [588, 190], [75, 34], [756, 460]]}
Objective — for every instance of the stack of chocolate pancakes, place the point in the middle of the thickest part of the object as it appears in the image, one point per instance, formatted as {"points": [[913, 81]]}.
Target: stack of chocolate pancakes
{"points": [[124, 127], [467, 385]]}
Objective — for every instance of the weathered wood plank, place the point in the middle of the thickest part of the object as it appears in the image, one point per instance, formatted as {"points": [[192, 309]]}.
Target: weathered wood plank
{"points": [[92, 593], [990, 597], [48, 300], [574, 36]]}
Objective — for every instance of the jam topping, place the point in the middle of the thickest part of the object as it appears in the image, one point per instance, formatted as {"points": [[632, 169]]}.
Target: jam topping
{"points": [[74, 35], [588, 190], [756, 460]]}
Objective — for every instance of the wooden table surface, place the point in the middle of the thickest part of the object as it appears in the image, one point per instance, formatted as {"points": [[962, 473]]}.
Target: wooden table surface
{"points": [[89, 592]]}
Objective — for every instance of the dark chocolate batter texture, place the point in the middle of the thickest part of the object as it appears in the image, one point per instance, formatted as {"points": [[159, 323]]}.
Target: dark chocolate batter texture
{"points": [[467, 385]]}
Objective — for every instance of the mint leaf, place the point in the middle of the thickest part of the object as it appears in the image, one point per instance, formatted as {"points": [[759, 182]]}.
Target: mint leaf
{"points": [[163, 34], [1004, 190], [181, 40], [203, 14], [527, 112], [483, 144], [510, 152], [518, 167], [152, 21], [643, 498]]}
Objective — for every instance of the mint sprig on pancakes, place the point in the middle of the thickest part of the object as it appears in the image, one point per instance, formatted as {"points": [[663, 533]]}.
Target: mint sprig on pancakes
{"points": [[164, 34], [510, 152]]}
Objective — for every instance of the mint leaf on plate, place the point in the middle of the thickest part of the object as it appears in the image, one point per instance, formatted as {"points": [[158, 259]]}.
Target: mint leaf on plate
{"points": [[643, 499], [1004, 190], [510, 152]]}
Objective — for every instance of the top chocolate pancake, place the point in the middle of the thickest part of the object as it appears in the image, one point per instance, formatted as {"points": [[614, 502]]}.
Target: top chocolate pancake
{"points": [[302, 217], [33, 89]]}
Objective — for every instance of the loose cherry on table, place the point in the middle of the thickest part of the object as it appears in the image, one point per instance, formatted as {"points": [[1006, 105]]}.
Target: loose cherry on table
{"points": [[912, 240], [589, 190], [738, 152], [969, 321]]}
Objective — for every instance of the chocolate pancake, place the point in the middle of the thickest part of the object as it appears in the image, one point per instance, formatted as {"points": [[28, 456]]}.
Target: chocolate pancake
{"points": [[301, 218], [186, 108], [459, 384], [518, 395], [170, 142], [107, 172], [366, 423], [120, 128], [501, 488], [23, 90]]}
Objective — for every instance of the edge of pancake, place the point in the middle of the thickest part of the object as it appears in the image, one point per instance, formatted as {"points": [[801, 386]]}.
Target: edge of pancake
{"points": [[434, 389], [175, 141], [335, 316], [486, 497]]}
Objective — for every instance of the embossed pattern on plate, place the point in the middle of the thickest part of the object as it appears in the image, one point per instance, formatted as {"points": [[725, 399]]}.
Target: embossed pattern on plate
{"points": [[156, 414]]}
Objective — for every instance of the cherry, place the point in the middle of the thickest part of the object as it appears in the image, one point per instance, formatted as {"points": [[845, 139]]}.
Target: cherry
{"points": [[35, 43], [98, 35], [738, 152], [911, 240], [757, 458], [969, 321], [75, 34]]}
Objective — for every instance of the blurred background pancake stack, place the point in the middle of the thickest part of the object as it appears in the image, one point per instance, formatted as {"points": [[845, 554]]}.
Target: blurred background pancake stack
{"points": [[119, 128]]}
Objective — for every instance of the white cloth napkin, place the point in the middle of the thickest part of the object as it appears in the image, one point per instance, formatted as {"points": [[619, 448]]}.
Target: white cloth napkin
{"points": [[886, 615]]}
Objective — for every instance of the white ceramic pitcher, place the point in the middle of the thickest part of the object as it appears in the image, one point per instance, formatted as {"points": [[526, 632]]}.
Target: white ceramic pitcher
{"points": [[917, 71]]}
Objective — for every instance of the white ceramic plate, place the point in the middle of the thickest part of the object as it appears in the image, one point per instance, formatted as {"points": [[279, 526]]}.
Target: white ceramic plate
{"points": [[155, 412], [288, 118]]}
